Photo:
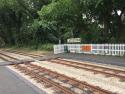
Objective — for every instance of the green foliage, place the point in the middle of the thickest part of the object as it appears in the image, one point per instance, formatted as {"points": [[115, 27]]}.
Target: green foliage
{"points": [[36, 22], [2, 43], [47, 47], [105, 12], [61, 16]]}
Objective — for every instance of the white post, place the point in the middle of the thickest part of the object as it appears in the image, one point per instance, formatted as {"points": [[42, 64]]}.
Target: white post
{"points": [[59, 41]]}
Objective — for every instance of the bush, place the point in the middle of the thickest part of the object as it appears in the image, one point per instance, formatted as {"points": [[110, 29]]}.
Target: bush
{"points": [[47, 47], [2, 43], [44, 47]]}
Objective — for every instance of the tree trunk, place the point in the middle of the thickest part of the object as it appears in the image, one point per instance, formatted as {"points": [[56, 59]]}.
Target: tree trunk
{"points": [[106, 30], [120, 31]]}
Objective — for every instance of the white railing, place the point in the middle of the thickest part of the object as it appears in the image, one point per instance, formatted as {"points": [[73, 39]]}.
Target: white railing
{"points": [[101, 49], [58, 49], [109, 49]]}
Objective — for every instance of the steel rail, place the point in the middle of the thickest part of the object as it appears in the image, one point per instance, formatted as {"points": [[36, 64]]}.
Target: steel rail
{"points": [[93, 69]]}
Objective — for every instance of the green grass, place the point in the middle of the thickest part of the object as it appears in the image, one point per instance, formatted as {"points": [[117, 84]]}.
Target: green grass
{"points": [[42, 47], [47, 47]]}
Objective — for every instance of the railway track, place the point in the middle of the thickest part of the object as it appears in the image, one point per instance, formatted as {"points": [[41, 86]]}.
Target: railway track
{"points": [[60, 83], [93, 68], [12, 60], [24, 53], [89, 67]]}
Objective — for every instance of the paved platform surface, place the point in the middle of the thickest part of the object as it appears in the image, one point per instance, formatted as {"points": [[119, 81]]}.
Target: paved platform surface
{"points": [[112, 60], [11, 83]]}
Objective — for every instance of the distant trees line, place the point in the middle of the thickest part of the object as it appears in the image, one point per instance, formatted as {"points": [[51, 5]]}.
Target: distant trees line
{"points": [[30, 22]]}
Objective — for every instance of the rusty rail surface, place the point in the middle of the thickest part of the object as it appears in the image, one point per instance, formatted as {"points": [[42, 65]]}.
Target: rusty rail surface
{"points": [[41, 79], [24, 53], [15, 60], [36, 70], [106, 71], [8, 56], [39, 74]]}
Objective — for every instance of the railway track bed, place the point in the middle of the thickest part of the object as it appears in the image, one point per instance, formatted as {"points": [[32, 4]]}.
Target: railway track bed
{"points": [[60, 83], [108, 80], [109, 72], [24, 53]]}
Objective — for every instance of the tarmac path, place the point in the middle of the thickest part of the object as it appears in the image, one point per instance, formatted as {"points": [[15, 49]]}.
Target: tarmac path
{"points": [[111, 60], [12, 83]]}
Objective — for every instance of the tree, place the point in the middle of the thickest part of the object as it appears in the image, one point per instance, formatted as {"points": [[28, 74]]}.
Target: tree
{"points": [[30, 22], [62, 15], [16, 17], [106, 13]]}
